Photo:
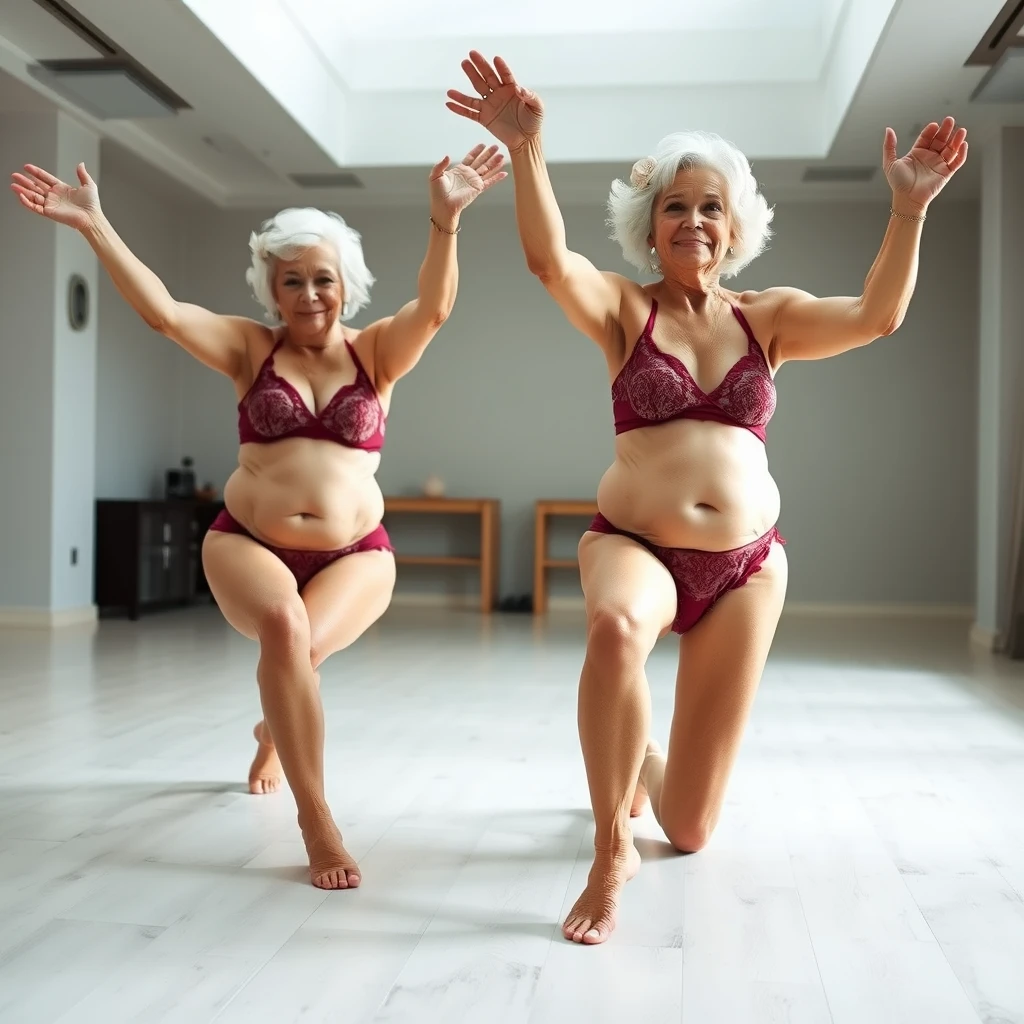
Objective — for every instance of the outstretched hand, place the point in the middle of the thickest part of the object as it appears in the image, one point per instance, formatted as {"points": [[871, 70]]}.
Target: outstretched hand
{"points": [[39, 191], [935, 157], [509, 111], [454, 186]]}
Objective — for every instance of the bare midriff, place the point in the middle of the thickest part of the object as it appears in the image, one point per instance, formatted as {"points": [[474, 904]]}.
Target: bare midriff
{"points": [[305, 494], [690, 484]]}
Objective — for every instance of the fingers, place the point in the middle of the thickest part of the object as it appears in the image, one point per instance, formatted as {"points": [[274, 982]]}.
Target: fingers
{"points": [[44, 176], [479, 156], [942, 134], [455, 108], [473, 102], [504, 71], [493, 179], [958, 161], [888, 148], [475, 78], [83, 175], [439, 168], [28, 183], [27, 199], [483, 68]]}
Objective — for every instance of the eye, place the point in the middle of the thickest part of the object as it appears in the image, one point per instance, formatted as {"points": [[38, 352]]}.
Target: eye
{"points": [[714, 206]]}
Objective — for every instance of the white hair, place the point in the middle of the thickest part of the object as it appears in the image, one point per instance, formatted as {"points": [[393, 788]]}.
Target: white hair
{"points": [[287, 235], [631, 204]]}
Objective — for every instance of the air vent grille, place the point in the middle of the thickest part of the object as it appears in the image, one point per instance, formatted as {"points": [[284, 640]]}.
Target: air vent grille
{"points": [[336, 179], [838, 175]]}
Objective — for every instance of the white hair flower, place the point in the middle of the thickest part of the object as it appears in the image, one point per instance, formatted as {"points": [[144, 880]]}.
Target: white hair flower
{"points": [[631, 206], [640, 176]]}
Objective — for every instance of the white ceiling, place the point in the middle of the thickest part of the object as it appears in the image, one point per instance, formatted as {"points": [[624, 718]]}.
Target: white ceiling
{"points": [[279, 87]]}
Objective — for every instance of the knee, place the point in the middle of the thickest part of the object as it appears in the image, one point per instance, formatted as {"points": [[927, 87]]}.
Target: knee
{"points": [[617, 636], [284, 627], [689, 835]]}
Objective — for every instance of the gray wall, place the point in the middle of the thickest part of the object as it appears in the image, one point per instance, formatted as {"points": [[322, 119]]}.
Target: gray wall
{"points": [[875, 451], [26, 378], [140, 373]]}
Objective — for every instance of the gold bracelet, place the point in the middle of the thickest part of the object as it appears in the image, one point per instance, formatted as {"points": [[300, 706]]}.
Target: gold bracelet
{"points": [[907, 216], [445, 231]]}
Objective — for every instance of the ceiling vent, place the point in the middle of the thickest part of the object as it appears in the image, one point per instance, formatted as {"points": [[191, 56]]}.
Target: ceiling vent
{"points": [[838, 175], [114, 86], [1003, 34], [337, 179]]}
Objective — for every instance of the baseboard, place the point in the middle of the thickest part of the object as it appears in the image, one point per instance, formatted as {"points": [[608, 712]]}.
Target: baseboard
{"points": [[878, 611], [47, 618], [984, 639]]}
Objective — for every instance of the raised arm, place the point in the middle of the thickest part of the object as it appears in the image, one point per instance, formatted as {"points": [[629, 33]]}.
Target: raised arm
{"points": [[400, 340], [218, 341], [811, 328], [589, 298]]}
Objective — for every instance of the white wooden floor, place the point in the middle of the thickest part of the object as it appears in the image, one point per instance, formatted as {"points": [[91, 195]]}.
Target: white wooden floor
{"points": [[869, 867]]}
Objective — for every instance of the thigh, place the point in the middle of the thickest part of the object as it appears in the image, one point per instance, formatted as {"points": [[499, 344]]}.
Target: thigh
{"points": [[249, 583], [625, 585], [720, 666], [345, 598]]}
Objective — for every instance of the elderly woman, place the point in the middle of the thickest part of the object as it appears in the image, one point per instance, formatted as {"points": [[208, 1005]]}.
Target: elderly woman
{"points": [[686, 537], [299, 561]]}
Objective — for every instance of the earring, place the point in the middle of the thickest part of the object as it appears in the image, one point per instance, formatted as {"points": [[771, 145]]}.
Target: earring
{"points": [[655, 262], [344, 309], [729, 250]]}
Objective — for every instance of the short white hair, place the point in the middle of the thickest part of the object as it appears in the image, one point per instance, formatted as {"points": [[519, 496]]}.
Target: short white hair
{"points": [[291, 232], [631, 204]]}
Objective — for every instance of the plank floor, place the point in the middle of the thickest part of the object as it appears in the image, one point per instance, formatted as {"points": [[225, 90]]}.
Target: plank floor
{"points": [[869, 867]]}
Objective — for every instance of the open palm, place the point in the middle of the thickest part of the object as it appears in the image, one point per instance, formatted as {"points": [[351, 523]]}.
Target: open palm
{"points": [[43, 193], [938, 153], [510, 112], [454, 186]]}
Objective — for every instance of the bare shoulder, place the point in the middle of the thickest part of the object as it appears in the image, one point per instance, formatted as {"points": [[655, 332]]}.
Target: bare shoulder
{"points": [[761, 309], [364, 343], [260, 340]]}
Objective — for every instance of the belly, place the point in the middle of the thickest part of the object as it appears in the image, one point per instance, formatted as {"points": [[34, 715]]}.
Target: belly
{"points": [[690, 484], [305, 494]]}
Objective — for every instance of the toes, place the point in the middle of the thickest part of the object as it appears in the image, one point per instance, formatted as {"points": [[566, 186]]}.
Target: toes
{"points": [[353, 878], [598, 933]]}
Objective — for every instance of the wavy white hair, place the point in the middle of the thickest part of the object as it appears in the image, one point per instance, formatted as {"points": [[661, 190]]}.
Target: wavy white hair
{"points": [[288, 234], [631, 204]]}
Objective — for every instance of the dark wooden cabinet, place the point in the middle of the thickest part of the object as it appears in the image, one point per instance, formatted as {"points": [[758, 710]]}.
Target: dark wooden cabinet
{"points": [[149, 553]]}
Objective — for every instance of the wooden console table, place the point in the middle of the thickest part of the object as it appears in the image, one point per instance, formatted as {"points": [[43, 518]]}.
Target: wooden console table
{"points": [[488, 510], [541, 560]]}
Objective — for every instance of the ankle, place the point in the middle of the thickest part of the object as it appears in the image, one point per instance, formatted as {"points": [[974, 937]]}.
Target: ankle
{"points": [[614, 847]]}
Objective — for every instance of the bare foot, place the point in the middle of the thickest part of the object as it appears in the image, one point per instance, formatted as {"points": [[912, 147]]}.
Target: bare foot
{"points": [[265, 773], [640, 800], [592, 918], [330, 864]]}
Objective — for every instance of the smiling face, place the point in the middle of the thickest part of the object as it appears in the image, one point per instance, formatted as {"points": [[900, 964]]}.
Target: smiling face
{"points": [[309, 291], [691, 228]]}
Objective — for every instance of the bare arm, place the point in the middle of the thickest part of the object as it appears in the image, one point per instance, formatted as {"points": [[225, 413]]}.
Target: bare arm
{"points": [[399, 341], [590, 298], [810, 328], [217, 341]]}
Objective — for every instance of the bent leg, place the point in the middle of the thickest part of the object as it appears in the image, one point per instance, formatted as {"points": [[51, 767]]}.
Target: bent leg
{"points": [[257, 594], [630, 601], [342, 601], [720, 666]]}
